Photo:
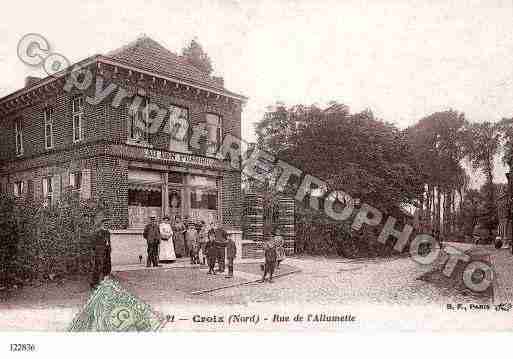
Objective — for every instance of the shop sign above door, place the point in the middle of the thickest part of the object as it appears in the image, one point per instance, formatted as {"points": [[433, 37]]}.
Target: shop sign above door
{"points": [[182, 158]]}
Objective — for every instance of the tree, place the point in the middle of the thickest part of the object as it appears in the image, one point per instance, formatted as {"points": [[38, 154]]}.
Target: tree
{"points": [[194, 54], [436, 141], [366, 157], [481, 146], [471, 210]]}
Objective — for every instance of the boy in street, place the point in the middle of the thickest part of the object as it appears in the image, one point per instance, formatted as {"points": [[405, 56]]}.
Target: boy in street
{"points": [[231, 253]]}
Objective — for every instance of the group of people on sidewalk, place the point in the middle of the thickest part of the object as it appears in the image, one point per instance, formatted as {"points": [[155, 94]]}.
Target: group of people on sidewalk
{"points": [[201, 243], [166, 242]]}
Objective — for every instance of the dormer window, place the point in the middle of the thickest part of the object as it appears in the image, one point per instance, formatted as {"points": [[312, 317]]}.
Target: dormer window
{"points": [[18, 133], [77, 108], [48, 118]]}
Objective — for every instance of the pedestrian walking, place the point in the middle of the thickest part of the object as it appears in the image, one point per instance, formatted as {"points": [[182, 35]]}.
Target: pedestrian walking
{"points": [[211, 252], [152, 235], [101, 250], [270, 261], [231, 253], [167, 248]]}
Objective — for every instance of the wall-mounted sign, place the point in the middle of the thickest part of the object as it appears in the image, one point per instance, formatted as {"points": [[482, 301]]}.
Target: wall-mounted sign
{"points": [[182, 158]]}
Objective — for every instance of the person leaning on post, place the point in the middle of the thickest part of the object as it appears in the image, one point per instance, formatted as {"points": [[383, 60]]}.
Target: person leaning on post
{"points": [[152, 235], [101, 251]]}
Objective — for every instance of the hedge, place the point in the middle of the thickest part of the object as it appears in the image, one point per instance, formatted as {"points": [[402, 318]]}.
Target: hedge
{"points": [[39, 241]]}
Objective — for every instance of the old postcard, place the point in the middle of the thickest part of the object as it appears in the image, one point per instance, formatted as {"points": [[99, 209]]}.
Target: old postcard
{"points": [[256, 166]]}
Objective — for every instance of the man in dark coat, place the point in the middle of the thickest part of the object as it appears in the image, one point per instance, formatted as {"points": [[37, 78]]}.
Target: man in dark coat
{"points": [[231, 253], [152, 235], [211, 252], [270, 261], [221, 239], [100, 253]]}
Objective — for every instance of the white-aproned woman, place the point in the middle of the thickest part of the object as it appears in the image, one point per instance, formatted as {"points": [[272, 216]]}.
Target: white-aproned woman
{"points": [[167, 248]]}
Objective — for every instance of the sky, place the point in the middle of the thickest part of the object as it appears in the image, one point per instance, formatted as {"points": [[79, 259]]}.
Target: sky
{"points": [[402, 59]]}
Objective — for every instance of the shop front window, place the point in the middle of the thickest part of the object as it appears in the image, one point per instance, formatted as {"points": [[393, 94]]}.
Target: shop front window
{"points": [[203, 198], [144, 197]]}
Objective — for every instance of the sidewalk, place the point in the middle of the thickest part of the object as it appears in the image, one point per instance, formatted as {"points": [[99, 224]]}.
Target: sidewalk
{"points": [[179, 263], [502, 261]]}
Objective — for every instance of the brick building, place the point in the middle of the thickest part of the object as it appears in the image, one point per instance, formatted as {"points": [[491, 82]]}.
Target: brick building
{"points": [[57, 134]]}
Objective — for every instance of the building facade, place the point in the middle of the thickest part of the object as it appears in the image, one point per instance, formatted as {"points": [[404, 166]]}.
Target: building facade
{"points": [[120, 128]]}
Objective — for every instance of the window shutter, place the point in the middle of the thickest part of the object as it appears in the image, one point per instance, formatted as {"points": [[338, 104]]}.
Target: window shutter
{"points": [[85, 189], [15, 189]]}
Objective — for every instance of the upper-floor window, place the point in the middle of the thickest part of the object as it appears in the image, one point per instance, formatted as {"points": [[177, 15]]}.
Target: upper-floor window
{"points": [[48, 116], [77, 108], [19, 188], [214, 133], [75, 180], [138, 123], [47, 189], [18, 132], [178, 127]]}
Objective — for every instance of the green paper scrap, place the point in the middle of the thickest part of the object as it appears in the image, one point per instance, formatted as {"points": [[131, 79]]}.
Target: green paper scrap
{"points": [[111, 308]]}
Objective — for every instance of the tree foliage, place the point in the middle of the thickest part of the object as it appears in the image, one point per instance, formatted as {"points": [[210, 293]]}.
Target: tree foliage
{"points": [[195, 55], [357, 153]]}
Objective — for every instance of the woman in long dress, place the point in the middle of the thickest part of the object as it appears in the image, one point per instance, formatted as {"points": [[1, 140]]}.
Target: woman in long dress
{"points": [[167, 248], [178, 237]]}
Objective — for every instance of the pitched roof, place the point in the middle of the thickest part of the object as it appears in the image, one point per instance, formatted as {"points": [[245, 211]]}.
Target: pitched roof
{"points": [[147, 54]]}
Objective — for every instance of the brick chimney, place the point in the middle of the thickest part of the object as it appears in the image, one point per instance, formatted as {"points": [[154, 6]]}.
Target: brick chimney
{"points": [[31, 80], [219, 80]]}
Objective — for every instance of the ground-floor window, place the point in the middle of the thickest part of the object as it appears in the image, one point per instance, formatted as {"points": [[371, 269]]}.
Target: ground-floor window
{"points": [[192, 196], [203, 194], [144, 197]]}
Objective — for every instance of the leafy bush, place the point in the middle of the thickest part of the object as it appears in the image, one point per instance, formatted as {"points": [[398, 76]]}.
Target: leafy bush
{"points": [[39, 241]]}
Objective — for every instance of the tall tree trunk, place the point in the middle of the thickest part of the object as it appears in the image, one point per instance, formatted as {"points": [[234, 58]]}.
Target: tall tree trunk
{"points": [[433, 211], [427, 213], [438, 199]]}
